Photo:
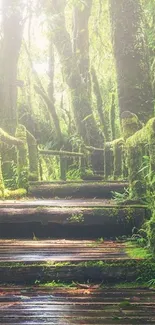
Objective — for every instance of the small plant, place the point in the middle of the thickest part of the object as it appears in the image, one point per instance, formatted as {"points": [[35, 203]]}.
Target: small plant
{"points": [[76, 217], [125, 303], [100, 240], [34, 236], [73, 174], [151, 283], [121, 197], [37, 282]]}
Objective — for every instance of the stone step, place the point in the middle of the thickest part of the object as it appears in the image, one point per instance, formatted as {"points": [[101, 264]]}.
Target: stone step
{"points": [[85, 189], [68, 218], [64, 306], [25, 262]]}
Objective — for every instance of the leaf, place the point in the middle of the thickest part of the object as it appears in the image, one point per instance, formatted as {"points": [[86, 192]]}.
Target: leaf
{"points": [[87, 117]]}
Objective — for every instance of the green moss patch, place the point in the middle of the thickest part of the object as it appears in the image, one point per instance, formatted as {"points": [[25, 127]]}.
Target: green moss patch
{"points": [[137, 252], [112, 271]]}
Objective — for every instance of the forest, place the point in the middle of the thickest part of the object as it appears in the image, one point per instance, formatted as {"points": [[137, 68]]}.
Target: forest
{"points": [[77, 94], [77, 162], [72, 74]]}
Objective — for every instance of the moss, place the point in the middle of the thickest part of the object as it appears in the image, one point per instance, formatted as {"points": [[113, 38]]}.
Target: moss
{"points": [[15, 194], [22, 158], [1, 180], [130, 124], [108, 160], [134, 251], [136, 147], [144, 136], [33, 157], [118, 150]]}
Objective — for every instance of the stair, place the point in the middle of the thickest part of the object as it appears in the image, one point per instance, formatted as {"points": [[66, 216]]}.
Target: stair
{"points": [[27, 261], [74, 218], [67, 233], [64, 306], [85, 189]]}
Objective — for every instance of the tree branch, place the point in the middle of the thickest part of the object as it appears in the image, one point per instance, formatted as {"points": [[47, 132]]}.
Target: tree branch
{"points": [[6, 138]]}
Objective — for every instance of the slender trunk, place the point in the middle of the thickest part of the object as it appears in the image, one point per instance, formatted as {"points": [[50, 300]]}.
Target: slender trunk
{"points": [[100, 108], [81, 39]]}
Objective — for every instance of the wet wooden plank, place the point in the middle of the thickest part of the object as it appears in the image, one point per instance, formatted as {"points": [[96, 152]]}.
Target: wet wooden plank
{"points": [[68, 306], [35, 251]]}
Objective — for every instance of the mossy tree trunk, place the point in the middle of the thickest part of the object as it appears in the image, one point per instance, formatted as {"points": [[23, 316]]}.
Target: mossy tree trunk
{"points": [[1, 177], [100, 107], [12, 31], [136, 146], [132, 62], [113, 117], [48, 97], [22, 158], [81, 14], [33, 157], [76, 72]]}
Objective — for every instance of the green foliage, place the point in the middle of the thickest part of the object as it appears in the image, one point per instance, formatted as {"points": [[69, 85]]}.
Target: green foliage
{"points": [[15, 194], [73, 174], [137, 252], [50, 168], [121, 197], [76, 218], [124, 304]]}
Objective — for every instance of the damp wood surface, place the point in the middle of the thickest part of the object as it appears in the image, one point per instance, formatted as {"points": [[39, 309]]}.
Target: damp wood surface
{"points": [[35, 305]]}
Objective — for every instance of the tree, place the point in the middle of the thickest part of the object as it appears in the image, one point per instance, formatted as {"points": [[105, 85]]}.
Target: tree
{"points": [[75, 66], [12, 31], [131, 55]]}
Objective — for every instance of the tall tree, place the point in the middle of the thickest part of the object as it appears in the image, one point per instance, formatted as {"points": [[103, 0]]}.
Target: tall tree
{"points": [[12, 30], [75, 66], [132, 62]]}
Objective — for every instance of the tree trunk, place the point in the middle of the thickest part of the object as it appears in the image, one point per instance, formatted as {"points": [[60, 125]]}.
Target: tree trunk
{"points": [[81, 100], [12, 27], [132, 63], [81, 14], [104, 122], [12, 30]]}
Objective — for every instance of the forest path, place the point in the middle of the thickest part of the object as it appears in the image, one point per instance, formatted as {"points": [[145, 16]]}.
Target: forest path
{"points": [[73, 227]]}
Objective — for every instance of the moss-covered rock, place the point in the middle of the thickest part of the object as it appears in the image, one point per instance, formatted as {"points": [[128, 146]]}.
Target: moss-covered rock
{"points": [[22, 158]]}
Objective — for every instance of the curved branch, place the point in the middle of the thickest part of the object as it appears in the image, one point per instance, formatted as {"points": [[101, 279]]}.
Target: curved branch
{"points": [[51, 109], [6, 138]]}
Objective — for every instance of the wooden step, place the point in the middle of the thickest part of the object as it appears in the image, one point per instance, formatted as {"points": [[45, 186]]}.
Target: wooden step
{"points": [[60, 250], [109, 306], [68, 218], [76, 190], [24, 262]]}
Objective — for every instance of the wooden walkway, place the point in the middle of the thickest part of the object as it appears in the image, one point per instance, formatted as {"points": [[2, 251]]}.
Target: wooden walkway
{"points": [[108, 306], [60, 250]]}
